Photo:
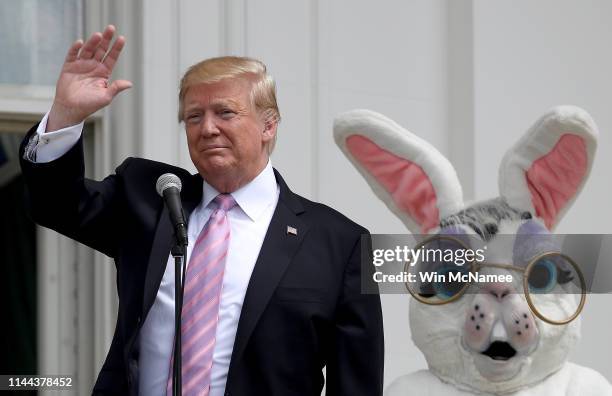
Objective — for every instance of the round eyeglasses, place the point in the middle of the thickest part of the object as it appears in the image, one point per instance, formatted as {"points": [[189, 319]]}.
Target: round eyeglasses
{"points": [[552, 283]]}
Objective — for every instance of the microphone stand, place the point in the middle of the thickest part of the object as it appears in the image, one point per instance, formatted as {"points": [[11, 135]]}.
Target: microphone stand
{"points": [[178, 252]]}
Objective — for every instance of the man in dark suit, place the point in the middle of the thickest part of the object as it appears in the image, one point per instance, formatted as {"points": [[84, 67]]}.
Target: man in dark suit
{"points": [[270, 302]]}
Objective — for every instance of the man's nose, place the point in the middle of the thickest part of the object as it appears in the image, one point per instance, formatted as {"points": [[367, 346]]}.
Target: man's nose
{"points": [[209, 126]]}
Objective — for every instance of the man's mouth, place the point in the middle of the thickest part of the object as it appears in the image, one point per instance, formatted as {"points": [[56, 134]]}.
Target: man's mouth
{"points": [[209, 148], [500, 350]]}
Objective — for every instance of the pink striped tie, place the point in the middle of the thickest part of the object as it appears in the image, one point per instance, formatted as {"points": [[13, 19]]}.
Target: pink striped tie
{"points": [[202, 293]]}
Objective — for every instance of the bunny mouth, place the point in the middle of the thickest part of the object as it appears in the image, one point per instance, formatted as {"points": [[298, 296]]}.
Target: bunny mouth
{"points": [[500, 350]]}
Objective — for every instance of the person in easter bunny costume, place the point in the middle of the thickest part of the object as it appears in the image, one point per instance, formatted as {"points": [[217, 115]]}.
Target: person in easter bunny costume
{"points": [[492, 341]]}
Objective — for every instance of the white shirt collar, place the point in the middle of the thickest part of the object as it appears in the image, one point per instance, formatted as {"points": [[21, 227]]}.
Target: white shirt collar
{"points": [[253, 197]]}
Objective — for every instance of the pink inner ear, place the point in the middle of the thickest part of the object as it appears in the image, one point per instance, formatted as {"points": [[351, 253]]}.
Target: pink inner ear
{"points": [[405, 181], [554, 178]]}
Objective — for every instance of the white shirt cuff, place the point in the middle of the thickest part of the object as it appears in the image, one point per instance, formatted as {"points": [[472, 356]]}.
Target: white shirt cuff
{"points": [[49, 146]]}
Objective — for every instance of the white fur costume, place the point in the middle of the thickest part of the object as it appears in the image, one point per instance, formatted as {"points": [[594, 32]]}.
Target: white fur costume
{"points": [[540, 176]]}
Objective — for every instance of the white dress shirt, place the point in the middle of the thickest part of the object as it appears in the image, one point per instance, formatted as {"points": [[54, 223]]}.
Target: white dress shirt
{"points": [[249, 222]]}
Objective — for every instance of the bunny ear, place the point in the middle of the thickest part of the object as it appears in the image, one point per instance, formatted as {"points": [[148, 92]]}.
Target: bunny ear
{"points": [[546, 169], [408, 174]]}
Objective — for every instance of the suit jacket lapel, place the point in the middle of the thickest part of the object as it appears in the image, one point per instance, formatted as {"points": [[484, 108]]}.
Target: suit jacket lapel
{"points": [[277, 251]]}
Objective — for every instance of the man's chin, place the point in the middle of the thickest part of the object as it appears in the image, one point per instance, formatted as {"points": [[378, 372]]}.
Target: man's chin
{"points": [[498, 370], [215, 165]]}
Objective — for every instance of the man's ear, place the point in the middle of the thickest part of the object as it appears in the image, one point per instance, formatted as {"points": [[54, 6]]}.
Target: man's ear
{"points": [[268, 134], [269, 131]]}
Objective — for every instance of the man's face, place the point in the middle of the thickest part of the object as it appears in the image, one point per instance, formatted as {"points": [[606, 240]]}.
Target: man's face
{"points": [[226, 136]]}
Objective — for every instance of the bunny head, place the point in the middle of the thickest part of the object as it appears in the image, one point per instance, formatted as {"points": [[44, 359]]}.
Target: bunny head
{"points": [[490, 339]]}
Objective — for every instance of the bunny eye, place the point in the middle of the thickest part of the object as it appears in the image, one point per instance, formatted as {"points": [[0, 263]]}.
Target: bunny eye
{"points": [[448, 289], [543, 276], [443, 289]]}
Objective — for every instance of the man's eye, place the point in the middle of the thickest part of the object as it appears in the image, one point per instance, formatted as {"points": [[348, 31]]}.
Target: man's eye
{"points": [[193, 119], [227, 113]]}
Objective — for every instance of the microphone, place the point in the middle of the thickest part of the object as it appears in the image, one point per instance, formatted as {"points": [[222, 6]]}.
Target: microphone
{"points": [[169, 187]]}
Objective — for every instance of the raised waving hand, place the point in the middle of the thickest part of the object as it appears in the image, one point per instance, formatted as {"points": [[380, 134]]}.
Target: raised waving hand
{"points": [[83, 86]]}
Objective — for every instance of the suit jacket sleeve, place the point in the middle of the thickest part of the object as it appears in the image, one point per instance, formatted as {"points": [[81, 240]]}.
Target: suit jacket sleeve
{"points": [[356, 367], [59, 197]]}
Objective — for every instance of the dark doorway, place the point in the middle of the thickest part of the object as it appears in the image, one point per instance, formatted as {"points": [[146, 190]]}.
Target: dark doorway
{"points": [[18, 260]]}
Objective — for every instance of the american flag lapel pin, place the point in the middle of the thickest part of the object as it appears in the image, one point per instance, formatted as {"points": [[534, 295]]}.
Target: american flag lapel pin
{"points": [[291, 230]]}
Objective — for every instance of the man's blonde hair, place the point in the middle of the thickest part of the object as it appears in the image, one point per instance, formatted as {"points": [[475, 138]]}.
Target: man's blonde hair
{"points": [[263, 88]]}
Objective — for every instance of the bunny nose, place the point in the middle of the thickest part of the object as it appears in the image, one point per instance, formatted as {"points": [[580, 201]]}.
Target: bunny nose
{"points": [[499, 290]]}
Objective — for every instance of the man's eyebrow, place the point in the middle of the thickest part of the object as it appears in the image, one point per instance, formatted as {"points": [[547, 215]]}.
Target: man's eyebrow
{"points": [[225, 102], [214, 103], [191, 107]]}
